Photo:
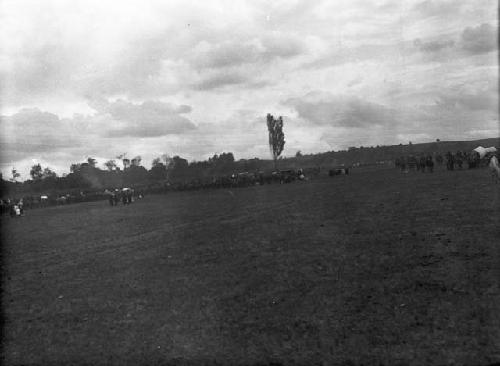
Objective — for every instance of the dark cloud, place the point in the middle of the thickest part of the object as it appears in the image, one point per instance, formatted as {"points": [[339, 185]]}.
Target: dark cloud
{"points": [[221, 80], [341, 111], [433, 46], [480, 39], [228, 54], [282, 46], [31, 133], [148, 119], [241, 51], [483, 100], [224, 79]]}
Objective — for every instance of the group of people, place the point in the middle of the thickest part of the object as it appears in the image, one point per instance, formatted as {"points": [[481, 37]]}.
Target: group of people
{"points": [[13, 207], [457, 160], [243, 179], [452, 161], [126, 195], [421, 163]]}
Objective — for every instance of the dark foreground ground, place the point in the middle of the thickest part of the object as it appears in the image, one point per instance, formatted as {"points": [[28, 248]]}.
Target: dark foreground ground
{"points": [[373, 268]]}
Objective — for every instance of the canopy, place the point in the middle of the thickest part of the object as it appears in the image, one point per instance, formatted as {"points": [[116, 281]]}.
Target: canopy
{"points": [[482, 151]]}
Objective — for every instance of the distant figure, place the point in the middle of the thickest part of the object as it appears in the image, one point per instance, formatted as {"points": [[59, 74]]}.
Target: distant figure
{"points": [[449, 161], [429, 163], [459, 159], [15, 210], [473, 160], [403, 163], [421, 163]]}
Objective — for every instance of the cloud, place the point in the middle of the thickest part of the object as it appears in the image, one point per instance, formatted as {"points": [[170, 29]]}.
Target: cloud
{"points": [[480, 39], [438, 8], [433, 46], [242, 50], [34, 131], [223, 79], [212, 60], [322, 108], [220, 80], [34, 134], [484, 100], [147, 119], [119, 125]]}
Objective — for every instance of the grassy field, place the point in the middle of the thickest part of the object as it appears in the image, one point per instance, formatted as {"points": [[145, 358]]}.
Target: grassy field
{"points": [[375, 268]]}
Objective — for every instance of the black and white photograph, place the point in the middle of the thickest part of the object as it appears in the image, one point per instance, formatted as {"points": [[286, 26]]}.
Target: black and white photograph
{"points": [[249, 182]]}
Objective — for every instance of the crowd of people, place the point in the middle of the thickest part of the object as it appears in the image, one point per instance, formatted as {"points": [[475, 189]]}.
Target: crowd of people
{"points": [[126, 195], [421, 163], [425, 163], [12, 207]]}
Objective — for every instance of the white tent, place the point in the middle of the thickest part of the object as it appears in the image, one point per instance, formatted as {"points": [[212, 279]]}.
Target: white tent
{"points": [[482, 151]]}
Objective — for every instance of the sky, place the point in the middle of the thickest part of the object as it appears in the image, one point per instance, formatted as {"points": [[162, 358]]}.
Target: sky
{"points": [[101, 78]]}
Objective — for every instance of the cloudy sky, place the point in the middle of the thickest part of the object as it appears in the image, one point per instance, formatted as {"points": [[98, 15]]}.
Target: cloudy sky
{"points": [[194, 78]]}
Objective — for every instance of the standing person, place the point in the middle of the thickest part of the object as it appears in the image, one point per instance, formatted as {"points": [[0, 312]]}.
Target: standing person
{"points": [[13, 210], [429, 163], [459, 159], [21, 207], [421, 163], [449, 161]]}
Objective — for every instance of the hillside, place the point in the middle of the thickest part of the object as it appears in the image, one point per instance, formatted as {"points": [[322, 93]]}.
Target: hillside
{"points": [[95, 179]]}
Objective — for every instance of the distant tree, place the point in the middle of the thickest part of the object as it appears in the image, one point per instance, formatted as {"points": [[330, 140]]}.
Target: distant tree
{"points": [[136, 161], [48, 173], [156, 162], [179, 163], [158, 170], [92, 162], [222, 159], [298, 154], [169, 164], [126, 163], [226, 158], [36, 172], [75, 168], [15, 175], [276, 137], [110, 165]]}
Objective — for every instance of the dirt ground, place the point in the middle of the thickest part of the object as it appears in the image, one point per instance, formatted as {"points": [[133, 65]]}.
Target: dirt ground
{"points": [[375, 268]]}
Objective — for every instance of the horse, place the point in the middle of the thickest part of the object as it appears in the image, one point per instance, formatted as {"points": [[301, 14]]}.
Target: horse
{"points": [[494, 169]]}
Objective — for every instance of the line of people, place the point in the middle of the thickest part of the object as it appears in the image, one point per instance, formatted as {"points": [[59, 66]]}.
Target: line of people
{"points": [[126, 195], [421, 163], [452, 161]]}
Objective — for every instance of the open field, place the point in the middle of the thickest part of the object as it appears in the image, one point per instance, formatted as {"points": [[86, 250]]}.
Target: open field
{"points": [[377, 267]]}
